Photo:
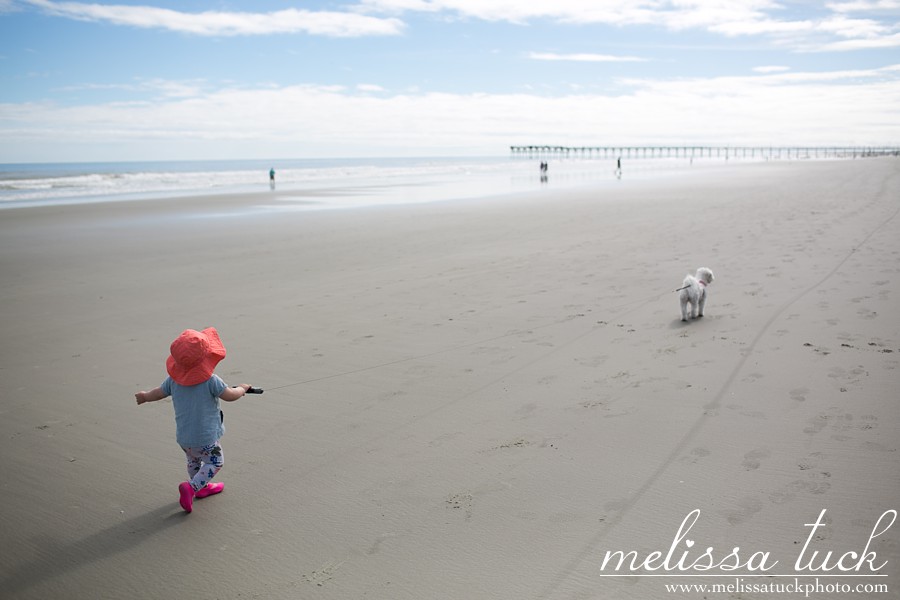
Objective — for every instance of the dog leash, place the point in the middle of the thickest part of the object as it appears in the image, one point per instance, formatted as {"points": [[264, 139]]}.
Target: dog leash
{"points": [[451, 349], [687, 286]]}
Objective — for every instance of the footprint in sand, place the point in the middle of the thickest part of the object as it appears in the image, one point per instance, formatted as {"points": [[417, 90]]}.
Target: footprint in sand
{"points": [[376, 546], [591, 403], [810, 462], [462, 502], [816, 425], [446, 437], [746, 509], [799, 394], [847, 377], [839, 422], [816, 481], [815, 485], [322, 575], [876, 447], [515, 443], [608, 414], [592, 362], [388, 396], [695, 455], [754, 458], [865, 313], [868, 422]]}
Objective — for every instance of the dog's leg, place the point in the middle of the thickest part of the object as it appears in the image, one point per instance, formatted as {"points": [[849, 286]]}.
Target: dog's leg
{"points": [[702, 303]]}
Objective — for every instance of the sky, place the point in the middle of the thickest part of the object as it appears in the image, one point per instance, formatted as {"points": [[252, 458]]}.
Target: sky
{"points": [[235, 79]]}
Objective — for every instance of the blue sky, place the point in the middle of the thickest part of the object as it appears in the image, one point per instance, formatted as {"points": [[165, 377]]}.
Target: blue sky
{"points": [[145, 80]]}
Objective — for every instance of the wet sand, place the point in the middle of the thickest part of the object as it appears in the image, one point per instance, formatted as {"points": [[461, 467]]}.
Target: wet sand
{"points": [[470, 399]]}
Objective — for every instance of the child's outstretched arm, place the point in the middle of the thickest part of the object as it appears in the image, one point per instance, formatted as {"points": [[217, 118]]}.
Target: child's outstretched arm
{"points": [[151, 396], [233, 393]]}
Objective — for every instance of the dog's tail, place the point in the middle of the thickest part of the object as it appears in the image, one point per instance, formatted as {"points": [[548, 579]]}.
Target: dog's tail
{"points": [[688, 282]]}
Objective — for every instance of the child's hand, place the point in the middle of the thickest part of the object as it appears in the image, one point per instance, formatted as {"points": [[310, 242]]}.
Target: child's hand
{"points": [[235, 392], [151, 396]]}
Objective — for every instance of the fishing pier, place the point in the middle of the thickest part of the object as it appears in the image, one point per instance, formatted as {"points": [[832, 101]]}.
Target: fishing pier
{"points": [[726, 152]]}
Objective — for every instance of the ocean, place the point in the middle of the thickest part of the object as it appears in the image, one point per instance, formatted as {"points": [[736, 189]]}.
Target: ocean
{"points": [[328, 183]]}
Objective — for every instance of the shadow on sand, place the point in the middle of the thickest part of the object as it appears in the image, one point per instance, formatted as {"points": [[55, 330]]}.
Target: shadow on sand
{"points": [[53, 560]]}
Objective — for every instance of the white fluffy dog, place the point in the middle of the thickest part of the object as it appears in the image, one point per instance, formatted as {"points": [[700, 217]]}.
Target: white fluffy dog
{"points": [[694, 293]]}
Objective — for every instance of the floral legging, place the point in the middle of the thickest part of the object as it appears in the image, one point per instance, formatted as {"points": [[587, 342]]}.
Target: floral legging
{"points": [[203, 463]]}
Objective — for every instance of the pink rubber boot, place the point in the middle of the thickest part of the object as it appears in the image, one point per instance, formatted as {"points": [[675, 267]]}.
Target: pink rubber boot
{"points": [[209, 489], [186, 493]]}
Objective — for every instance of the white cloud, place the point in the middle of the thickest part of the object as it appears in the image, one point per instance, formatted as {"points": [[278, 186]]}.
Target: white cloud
{"points": [[725, 17], [761, 27], [157, 87], [760, 18], [840, 107], [672, 14], [770, 69], [853, 28], [864, 6], [400, 6], [888, 41], [369, 87], [583, 57], [217, 23], [845, 33]]}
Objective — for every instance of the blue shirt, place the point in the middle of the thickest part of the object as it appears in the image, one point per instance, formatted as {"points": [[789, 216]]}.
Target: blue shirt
{"points": [[198, 422]]}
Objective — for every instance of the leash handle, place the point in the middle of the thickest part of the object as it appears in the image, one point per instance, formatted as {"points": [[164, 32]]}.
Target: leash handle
{"points": [[254, 390]]}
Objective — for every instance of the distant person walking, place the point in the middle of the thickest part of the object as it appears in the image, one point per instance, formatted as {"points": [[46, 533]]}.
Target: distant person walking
{"points": [[272, 178]]}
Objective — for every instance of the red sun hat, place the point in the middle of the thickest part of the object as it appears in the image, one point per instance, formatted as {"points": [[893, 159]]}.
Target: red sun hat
{"points": [[194, 356]]}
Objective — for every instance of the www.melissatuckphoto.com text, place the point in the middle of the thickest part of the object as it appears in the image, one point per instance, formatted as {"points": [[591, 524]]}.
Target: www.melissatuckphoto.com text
{"points": [[815, 587]]}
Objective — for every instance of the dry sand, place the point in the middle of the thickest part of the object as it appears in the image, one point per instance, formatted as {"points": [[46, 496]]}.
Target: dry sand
{"points": [[465, 400]]}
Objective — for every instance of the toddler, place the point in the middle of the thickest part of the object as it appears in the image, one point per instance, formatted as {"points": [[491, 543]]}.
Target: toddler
{"points": [[199, 422]]}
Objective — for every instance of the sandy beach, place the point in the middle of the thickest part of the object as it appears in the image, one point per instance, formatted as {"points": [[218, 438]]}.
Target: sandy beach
{"points": [[482, 398]]}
